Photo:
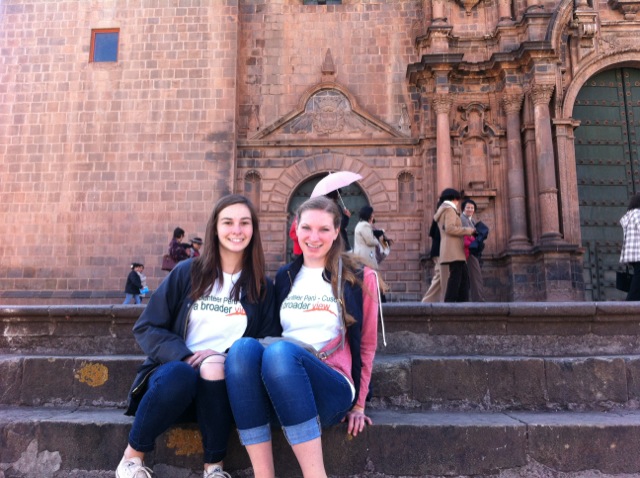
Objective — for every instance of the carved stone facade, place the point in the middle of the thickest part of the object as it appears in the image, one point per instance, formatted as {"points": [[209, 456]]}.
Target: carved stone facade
{"points": [[100, 161]]}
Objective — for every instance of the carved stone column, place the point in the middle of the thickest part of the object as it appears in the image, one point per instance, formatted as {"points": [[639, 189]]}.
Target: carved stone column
{"points": [[444, 175], [504, 10], [546, 168], [518, 238], [437, 12]]}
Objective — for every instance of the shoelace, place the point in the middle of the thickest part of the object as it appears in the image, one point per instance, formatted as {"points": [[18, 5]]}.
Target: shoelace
{"points": [[217, 473], [141, 468]]}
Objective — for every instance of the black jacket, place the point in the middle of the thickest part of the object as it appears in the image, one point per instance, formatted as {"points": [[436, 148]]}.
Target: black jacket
{"points": [[134, 284], [434, 234], [162, 327]]}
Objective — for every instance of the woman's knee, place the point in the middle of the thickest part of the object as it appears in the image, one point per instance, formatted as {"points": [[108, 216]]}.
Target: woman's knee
{"points": [[175, 378], [244, 356], [212, 367], [279, 358]]}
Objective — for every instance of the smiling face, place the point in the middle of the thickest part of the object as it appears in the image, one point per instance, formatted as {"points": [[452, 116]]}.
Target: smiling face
{"points": [[316, 234], [469, 209], [234, 228]]}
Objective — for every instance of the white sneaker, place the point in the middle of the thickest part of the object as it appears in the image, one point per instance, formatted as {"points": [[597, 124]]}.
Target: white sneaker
{"points": [[133, 468], [215, 471]]}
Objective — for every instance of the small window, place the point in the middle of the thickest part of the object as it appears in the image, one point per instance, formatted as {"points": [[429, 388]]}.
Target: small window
{"points": [[104, 45], [322, 2]]}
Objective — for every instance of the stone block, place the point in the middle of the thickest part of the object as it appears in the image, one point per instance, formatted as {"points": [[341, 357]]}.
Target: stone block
{"points": [[586, 380], [576, 442], [47, 381], [484, 383], [445, 444], [10, 380], [391, 377]]}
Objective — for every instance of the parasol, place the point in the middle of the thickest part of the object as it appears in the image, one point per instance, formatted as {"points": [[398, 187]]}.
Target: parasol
{"points": [[334, 181]]}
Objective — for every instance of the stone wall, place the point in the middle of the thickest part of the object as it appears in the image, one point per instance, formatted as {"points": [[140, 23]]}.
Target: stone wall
{"points": [[101, 161]]}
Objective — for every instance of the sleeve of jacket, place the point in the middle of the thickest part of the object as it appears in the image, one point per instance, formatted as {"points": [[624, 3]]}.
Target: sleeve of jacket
{"points": [[155, 330], [453, 226], [269, 323], [369, 341], [366, 233]]}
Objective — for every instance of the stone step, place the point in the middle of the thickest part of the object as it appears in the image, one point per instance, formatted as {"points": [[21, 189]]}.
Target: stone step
{"points": [[64, 442], [537, 329], [399, 381]]}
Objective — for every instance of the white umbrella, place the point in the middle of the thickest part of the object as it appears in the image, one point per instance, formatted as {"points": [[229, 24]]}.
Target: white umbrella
{"points": [[334, 181]]}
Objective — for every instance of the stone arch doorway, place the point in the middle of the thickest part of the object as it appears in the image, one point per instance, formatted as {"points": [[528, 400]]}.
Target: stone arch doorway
{"points": [[608, 171], [353, 197]]}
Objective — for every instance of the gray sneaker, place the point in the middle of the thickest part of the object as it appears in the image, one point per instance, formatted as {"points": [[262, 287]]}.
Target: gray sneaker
{"points": [[133, 468], [216, 472]]}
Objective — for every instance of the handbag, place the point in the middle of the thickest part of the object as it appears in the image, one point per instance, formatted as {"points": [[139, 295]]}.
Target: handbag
{"points": [[623, 280], [168, 263]]}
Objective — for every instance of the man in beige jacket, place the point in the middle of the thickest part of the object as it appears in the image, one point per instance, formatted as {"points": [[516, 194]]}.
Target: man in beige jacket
{"points": [[452, 246]]}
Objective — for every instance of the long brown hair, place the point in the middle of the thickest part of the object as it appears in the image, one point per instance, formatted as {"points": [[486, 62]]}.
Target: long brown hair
{"points": [[321, 203], [207, 268]]}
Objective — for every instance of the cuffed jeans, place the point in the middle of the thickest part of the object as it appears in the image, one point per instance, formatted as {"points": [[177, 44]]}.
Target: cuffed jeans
{"points": [[305, 392], [176, 393]]}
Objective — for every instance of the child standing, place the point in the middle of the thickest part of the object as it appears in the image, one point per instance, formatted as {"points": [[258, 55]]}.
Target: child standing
{"points": [[143, 280], [134, 284]]}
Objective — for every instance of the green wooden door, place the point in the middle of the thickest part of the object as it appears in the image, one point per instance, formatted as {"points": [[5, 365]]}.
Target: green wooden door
{"points": [[608, 107]]}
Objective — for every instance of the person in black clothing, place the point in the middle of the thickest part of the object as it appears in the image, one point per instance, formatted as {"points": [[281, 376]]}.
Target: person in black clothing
{"points": [[134, 284]]}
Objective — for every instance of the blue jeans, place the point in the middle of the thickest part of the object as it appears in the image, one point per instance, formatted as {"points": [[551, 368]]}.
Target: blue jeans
{"points": [[176, 393], [305, 393], [129, 297]]}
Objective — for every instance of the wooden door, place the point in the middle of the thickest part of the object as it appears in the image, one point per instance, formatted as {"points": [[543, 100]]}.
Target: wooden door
{"points": [[608, 107]]}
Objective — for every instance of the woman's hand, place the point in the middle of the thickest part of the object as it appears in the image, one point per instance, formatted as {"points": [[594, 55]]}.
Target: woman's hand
{"points": [[356, 420], [198, 357]]}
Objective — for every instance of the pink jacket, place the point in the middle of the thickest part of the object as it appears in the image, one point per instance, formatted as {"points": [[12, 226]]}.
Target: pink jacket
{"points": [[340, 360]]}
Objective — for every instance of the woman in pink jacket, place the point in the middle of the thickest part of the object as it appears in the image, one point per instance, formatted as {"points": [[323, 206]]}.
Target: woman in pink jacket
{"points": [[319, 375]]}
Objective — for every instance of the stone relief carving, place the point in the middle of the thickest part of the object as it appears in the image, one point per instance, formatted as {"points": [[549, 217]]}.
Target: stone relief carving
{"points": [[475, 144], [327, 112], [404, 125], [468, 5]]}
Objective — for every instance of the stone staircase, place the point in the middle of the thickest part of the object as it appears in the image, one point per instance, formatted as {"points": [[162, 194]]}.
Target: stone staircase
{"points": [[465, 390]]}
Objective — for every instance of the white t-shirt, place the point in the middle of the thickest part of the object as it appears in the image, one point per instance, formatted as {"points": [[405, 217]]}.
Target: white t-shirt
{"points": [[310, 311], [216, 321]]}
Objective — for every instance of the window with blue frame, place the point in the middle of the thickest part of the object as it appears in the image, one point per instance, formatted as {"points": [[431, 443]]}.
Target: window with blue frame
{"points": [[104, 45]]}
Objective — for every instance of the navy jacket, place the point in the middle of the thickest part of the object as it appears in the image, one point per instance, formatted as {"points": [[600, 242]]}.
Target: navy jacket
{"points": [[134, 284], [162, 327], [353, 304], [477, 246]]}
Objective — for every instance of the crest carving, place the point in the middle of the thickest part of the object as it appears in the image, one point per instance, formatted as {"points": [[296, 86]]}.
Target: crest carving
{"points": [[328, 117]]}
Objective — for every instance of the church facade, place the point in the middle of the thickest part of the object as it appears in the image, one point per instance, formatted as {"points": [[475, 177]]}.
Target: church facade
{"points": [[530, 107]]}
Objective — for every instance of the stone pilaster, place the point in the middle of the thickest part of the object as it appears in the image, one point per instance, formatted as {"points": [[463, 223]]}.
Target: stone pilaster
{"points": [[518, 239], [444, 174], [546, 168]]}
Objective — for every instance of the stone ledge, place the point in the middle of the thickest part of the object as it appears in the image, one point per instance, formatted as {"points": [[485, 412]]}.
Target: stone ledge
{"points": [[611, 328], [398, 444], [410, 382]]}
